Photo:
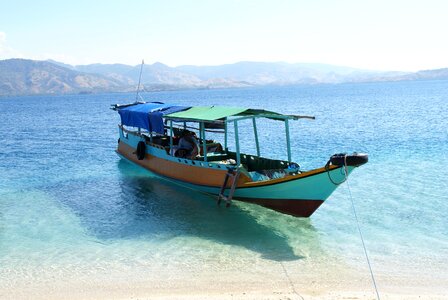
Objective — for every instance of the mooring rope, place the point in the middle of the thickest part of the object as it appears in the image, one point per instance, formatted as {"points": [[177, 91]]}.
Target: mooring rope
{"points": [[327, 168], [359, 229], [291, 283]]}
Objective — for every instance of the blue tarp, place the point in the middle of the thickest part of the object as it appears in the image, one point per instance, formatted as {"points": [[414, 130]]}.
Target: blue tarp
{"points": [[148, 115]]}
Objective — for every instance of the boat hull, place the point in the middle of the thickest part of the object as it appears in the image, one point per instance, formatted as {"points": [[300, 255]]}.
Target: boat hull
{"points": [[295, 207], [298, 195]]}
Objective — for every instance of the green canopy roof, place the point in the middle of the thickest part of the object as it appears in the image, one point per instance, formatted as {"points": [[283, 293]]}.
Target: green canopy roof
{"points": [[207, 113], [213, 113]]}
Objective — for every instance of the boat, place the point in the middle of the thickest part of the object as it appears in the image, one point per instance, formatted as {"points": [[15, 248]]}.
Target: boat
{"points": [[149, 136]]}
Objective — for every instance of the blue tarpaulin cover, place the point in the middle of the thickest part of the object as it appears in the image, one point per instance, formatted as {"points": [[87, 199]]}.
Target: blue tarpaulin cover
{"points": [[148, 115]]}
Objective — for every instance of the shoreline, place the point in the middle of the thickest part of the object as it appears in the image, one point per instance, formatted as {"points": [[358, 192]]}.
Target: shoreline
{"points": [[130, 291], [112, 284]]}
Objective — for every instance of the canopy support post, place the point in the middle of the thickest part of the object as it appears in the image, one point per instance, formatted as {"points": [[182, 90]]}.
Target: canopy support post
{"points": [[225, 135], [237, 144], [256, 136], [171, 135], [204, 142], [288, 142]]}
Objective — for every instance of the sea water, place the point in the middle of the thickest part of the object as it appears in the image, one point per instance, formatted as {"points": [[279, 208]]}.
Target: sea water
{"points": [[72, 211]]}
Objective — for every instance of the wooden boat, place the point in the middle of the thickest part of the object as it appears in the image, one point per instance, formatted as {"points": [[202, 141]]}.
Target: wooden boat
{"points": [[149, 136]]}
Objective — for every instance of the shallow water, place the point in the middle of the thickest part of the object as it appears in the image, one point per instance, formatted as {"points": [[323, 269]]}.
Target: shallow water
{"points": [[71, 209]]}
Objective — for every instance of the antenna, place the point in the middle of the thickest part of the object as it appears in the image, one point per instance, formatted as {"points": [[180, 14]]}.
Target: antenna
{"points": [[139, 80]]}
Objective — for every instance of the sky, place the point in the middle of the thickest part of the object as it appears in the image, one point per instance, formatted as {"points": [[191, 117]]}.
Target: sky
{"points": [[377, 35]]}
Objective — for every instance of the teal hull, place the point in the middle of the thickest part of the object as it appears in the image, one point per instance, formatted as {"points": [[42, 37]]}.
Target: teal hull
{"points": [[299, 196]]}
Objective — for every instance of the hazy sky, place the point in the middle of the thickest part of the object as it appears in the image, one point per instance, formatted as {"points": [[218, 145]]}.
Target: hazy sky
{"points": [[380, 34]]}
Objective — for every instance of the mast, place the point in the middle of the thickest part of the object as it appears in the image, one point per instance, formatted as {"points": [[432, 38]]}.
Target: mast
{"points": [[139, 80]]}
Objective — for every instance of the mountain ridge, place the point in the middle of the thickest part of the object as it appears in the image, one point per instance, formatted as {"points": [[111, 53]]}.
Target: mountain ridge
{"points": [[27, 77]]}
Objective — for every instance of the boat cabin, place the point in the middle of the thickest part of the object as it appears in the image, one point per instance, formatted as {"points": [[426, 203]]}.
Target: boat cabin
{"points": [[162, 126]]}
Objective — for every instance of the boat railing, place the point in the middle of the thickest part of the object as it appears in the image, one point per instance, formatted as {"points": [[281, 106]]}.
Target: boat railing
{"points": [[161, 142], [258, 163], [250, 162]]}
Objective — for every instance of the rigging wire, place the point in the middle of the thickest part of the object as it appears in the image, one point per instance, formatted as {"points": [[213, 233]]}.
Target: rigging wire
{"points": [[359, 230]]}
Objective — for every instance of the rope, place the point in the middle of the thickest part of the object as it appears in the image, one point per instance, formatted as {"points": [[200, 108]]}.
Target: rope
{"points": [[359, 229], [290, 282], [327, 168]]}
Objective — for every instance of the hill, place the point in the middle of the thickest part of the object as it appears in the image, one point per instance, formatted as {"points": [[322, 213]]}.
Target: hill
{"points": [[22, 76], [157, 74], [248, 74]]}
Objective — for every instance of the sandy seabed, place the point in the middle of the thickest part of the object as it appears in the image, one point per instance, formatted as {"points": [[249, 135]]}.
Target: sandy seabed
{"points": [[282, 281]]}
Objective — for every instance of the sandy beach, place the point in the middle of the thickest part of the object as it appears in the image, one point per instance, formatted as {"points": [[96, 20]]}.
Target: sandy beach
{"points": [[285, 280], [215, 290]]}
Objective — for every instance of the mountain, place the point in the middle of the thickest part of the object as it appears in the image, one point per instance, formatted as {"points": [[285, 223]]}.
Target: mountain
{"points": [[280, 73], [233, 75], [156, 73], [26, 77], [22, 76], [428, 75], [260, 73], [157, 76]]}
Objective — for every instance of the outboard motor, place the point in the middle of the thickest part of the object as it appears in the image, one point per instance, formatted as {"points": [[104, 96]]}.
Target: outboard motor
{"points": [[354, 159]]}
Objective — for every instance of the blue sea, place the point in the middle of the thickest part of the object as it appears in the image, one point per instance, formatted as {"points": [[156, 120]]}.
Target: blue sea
{"points": [[74, 216]]}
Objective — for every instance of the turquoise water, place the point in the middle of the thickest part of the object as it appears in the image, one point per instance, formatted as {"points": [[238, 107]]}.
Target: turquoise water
{"points": [[71, 210]]}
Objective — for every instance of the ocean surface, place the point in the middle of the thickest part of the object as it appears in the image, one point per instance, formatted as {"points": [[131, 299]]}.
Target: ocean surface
{"points": [[72, 210]]}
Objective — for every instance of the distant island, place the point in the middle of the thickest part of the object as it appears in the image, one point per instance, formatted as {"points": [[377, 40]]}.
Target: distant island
{"points": [[30, 77]]}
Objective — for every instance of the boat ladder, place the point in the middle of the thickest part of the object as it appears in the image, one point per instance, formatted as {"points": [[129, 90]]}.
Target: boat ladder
{"points": [[233, 174]]}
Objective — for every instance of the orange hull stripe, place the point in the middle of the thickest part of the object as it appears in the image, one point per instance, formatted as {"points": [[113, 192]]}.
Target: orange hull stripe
{"points": [[202, 175], [187, 173]]}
